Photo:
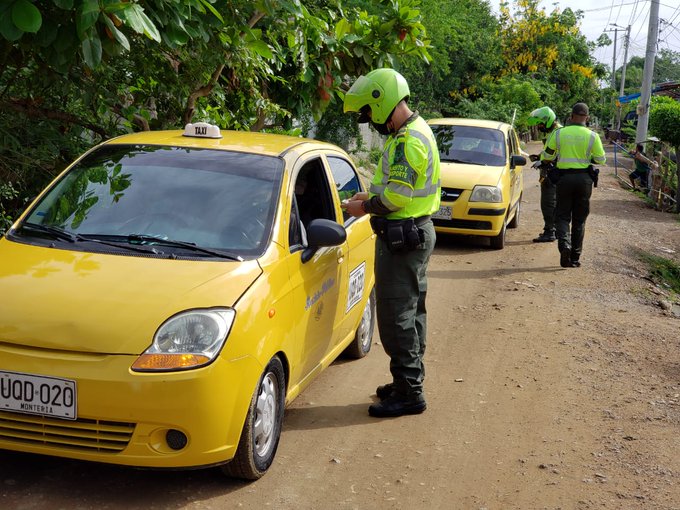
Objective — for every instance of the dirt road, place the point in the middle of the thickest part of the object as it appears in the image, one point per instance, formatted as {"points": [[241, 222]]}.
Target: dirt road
{"points": [[547, 388]]}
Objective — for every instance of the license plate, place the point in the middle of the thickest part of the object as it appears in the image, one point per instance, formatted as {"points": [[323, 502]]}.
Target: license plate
{"points": [[444, 213], [36, 394]]}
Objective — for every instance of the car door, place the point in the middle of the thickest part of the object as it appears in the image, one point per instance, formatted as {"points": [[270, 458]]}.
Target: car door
{"points": [[516, 173], [317, 284], [360, 247]]}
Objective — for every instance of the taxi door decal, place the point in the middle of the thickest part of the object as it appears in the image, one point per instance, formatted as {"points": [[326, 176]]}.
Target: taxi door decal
{"points": [[356, 286]]}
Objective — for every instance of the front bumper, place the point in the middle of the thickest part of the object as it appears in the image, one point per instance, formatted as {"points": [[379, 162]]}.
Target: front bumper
{"points": [[478, 218], [124, 417]]}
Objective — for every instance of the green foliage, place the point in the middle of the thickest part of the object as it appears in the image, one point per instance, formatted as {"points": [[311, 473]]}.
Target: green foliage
{"points": [[73, 73], [664, 120], [663, 270], [7, 194]]}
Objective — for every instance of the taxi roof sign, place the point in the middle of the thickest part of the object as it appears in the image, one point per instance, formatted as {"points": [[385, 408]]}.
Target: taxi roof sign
{"points": [[202, 130]]}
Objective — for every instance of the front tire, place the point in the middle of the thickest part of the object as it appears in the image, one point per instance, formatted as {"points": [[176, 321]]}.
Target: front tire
{"points": [[262, 428], [363, 338], [498, 242]]}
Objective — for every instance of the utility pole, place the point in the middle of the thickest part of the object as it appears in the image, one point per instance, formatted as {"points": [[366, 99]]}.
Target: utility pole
{"points": [[626, 42], [647, 73], [616, 30]]}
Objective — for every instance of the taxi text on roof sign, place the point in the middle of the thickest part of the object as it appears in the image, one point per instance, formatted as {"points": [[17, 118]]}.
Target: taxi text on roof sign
{"points": [[202, 130]]}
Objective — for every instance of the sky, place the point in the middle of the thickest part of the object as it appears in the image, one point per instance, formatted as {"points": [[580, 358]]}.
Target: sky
{"points": [[604, 14]]}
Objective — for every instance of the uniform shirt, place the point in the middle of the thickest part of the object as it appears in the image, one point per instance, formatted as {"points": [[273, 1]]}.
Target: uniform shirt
{"points": [[407, 178], [575, 147]]}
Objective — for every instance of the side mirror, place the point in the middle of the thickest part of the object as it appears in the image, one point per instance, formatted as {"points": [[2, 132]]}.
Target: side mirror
{"points": [[517, 161], [322, 232]]}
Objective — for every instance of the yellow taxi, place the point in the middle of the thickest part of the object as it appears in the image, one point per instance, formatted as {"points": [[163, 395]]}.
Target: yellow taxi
{"points": [[482, 178], [170, 292]]}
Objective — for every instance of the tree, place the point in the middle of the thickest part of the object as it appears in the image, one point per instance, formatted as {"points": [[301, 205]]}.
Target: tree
{"points": [[550, 48], [664, 122], [73, 72]]}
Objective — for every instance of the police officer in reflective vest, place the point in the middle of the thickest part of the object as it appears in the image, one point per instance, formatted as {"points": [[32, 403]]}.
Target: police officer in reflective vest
{"points": [[576, 148], [545, 119], [404, 192]]}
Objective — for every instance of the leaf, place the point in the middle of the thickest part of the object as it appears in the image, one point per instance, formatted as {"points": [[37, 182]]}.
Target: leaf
{"points": [[26, 16], [67, 5], [117, 34], [92, 50], [86, 17], [261, 48], [209, 6], [7, 28], [342, 28], [140, 22]]}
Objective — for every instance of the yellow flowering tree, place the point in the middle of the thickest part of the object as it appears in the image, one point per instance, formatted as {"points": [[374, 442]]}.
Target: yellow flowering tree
{"points": [[549, 47]]}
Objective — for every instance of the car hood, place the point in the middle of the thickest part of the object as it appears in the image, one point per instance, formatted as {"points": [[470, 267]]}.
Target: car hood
{"points": [[101, 303], [460, 175]]}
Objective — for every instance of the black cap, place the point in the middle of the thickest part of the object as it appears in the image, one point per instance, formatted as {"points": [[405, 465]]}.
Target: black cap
{"points": [[579, 109]]}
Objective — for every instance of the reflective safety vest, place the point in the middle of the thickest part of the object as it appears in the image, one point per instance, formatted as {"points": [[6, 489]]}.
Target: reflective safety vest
{"points": [[407, 177], [574, 147]]}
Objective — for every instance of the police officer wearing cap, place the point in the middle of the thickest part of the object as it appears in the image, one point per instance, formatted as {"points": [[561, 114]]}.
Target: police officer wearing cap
{"points": [[545, 119], [404, 192], [575, 148]]}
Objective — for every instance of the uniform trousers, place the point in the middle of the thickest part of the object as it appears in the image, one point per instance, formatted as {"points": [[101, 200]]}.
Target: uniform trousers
{"points": [[573, 206], [548, 202], [401, 289]]}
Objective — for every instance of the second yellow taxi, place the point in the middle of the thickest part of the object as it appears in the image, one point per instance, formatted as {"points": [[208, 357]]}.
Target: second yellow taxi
{"points": [[482, 178]]}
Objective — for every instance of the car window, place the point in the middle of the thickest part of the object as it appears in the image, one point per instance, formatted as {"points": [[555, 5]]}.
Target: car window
{"points": [[347, 182], [470, 144], [312, 200], [211, 198]]}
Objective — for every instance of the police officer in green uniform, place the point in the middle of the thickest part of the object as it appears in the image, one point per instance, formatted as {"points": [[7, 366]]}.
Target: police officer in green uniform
{"points": [[576, 148], [404, 192], [545, 119]]}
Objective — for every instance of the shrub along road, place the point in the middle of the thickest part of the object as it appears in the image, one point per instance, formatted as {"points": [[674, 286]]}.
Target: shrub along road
{"points": [[546, 388]]}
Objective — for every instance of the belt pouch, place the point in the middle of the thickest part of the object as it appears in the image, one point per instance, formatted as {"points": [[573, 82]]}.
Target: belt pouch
{"points": [[395, 236]]}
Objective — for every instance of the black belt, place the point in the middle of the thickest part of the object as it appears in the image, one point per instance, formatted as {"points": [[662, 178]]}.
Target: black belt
{"points": [[574, 170], [422, 220]]}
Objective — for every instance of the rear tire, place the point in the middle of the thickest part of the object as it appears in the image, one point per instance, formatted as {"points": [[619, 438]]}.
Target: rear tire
{"points": [[363, 338], [262, 428]]}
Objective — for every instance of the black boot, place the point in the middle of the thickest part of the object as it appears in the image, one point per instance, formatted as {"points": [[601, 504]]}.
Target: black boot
{"points": [[547, 236], [565, 257], [384, 391], [398, 405]]}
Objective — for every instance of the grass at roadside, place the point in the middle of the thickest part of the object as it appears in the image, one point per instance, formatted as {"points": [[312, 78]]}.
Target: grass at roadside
{"points": [[664, 271]]}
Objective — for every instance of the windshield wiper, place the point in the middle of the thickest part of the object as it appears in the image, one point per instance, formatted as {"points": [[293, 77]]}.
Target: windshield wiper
{"points": [[54, 232], [72, 237], [454, 160], [151, 239]]}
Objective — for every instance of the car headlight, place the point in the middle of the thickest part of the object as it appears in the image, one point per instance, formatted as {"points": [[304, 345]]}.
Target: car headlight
{"points": [[188, 340], [486, 194]]}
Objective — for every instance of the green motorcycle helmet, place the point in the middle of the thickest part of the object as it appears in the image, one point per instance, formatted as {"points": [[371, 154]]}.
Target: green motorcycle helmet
{"points": [[543, 115], [381, 90]]}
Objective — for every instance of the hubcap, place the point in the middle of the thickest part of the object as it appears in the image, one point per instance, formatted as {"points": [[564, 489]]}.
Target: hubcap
{"points": [[265, 415], [365, 325]]}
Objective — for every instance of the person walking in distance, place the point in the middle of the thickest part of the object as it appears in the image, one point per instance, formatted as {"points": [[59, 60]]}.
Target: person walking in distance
{"points": [[642, 168], [405, 191], [546, 121], [576, 148]]}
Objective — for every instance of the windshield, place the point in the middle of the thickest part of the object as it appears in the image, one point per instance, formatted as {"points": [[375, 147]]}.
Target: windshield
{"points": [[213, 199], [470, 144]]}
